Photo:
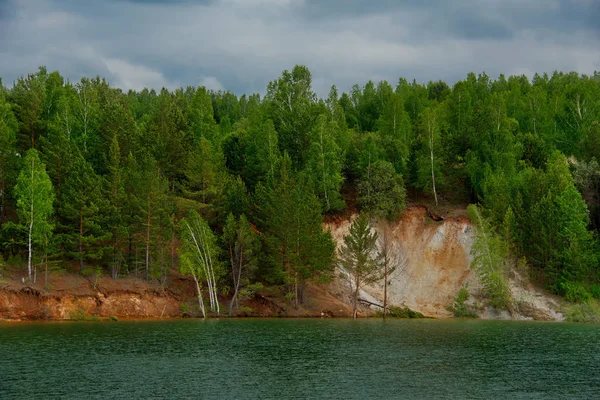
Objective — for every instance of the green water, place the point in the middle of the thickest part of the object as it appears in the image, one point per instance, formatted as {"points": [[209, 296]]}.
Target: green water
{"points": [[275, 359]]}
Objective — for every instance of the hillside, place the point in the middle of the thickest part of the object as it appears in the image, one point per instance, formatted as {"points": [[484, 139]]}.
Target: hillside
{"points": [[437, 267]]}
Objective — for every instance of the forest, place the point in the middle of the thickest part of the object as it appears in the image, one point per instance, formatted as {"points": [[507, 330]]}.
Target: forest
{"points": [[233, 191]]}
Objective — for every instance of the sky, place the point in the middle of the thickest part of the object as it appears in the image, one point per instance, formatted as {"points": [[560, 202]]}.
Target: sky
{"points": [[241, 45]]}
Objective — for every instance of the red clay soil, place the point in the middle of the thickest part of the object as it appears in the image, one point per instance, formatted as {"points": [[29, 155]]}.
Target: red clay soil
{"points": [[70, 296]]}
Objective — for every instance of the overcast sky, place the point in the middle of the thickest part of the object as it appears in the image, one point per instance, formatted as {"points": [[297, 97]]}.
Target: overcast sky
{"points": [[240, 45]]}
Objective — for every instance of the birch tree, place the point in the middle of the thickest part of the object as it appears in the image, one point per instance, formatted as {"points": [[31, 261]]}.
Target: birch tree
{"points": [[325, 163], [35, 198], [292, 103], [200, 258], [87, 112], [429, 159]]}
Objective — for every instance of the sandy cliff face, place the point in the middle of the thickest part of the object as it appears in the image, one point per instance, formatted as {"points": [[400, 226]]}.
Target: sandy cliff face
{"points": [[437, 259], [437, 265]]}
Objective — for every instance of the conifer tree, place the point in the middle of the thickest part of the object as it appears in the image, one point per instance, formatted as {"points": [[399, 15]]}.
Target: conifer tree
{"points": [[359, 258], [8, 150], [83, 213]]}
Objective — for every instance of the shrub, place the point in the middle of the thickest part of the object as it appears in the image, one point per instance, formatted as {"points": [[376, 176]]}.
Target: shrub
{"points": [[404, 312], [595, 291], [583, 312], [574, 292], [460, 309], [77, 315]]}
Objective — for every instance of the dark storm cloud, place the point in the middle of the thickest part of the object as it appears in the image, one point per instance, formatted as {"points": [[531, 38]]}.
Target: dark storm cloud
{"points": [[242, 44]]}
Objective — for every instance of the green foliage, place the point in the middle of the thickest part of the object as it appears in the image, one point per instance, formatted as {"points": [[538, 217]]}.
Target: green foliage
{"points": [[83, 214], [574, 292], [583, 312], [119, 162], [35, 198], [460, 309], [594, 290], [490, 254], [298, 246], [404, 312], [381, 191], [292, 104], [324, 164], [358, 255]]}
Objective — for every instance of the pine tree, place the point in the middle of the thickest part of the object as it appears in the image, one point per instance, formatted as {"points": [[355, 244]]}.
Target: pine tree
{"points": [[83, 213], [299, 247], [8, 151], [359, 258]]}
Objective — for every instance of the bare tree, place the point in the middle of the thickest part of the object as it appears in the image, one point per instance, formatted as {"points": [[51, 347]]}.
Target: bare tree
{"points": [[391, 257]]}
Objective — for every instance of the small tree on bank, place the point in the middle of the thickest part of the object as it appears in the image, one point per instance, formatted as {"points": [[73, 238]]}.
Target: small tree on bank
{"points": [[391, 257], [242, 244], [359, 257]]}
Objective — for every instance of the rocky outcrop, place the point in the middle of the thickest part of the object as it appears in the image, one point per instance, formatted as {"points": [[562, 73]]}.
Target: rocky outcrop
{"points": [[437, 254]]}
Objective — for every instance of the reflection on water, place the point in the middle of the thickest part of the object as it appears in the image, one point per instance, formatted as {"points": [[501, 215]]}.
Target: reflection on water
{"points": [[274, 359]]}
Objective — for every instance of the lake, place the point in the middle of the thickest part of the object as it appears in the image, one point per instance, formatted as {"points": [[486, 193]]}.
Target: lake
{"points": [[295, 358]]}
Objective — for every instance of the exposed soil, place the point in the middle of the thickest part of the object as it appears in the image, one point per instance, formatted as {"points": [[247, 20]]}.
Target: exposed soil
{"points": [[437, 265], [71, 296]]}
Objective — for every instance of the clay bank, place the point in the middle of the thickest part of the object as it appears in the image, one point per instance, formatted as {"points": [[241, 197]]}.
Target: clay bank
{"points": [[436, 254]]}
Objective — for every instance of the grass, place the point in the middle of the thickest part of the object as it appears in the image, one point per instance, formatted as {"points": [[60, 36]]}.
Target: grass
{"points": [[583, 312]]}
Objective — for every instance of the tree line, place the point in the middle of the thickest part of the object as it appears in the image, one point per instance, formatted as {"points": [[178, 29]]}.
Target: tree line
{"points": [[232, 190]]}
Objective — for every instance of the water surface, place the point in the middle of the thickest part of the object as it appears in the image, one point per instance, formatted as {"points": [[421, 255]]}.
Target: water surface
{"points": [[279, 358]]}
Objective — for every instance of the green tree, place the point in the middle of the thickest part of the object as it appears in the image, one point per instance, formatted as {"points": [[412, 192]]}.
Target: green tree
{"points": [[35, 198], [490, 254], [8, 150], [395, 129], [205, 174], [199, 257], [83, 213], [429, 156], [28, 97], [243, 245], [299, 247], [293, 108], [151, 208], [358, 256], [381, 190], [325, 164]]}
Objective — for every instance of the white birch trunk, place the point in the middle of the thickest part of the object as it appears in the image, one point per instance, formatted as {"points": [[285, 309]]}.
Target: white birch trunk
{"points": [[431, 157]]}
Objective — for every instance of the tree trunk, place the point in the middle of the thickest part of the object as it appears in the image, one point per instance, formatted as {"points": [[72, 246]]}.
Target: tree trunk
{"points": [[29, 246], [199, 293], [148, 244], [80, 241], [236, 280], [46, 277], [385, 285], [2, 203], [432, 171], [296, 290], [355, 311]]}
